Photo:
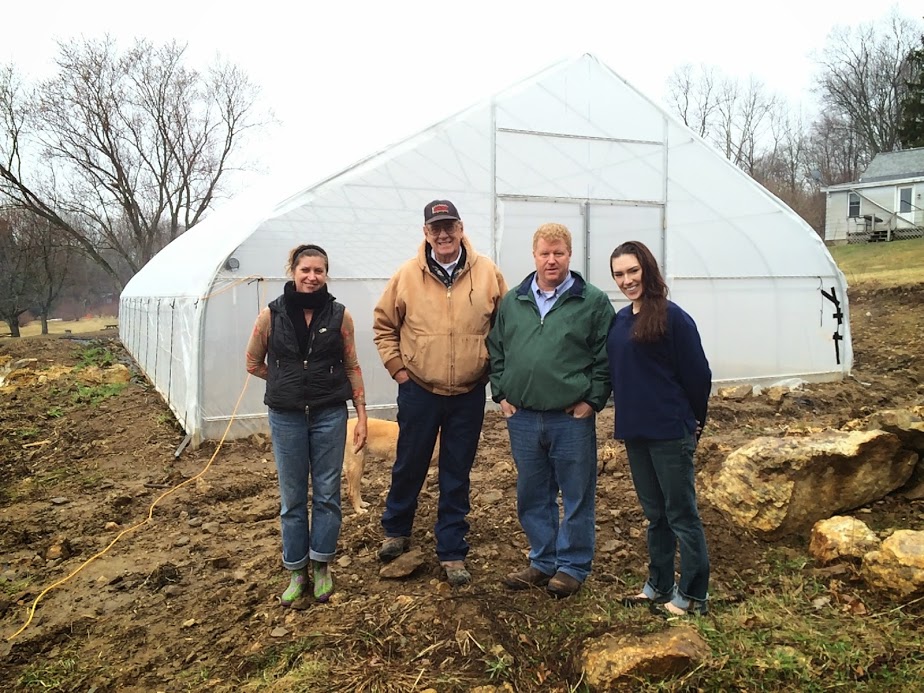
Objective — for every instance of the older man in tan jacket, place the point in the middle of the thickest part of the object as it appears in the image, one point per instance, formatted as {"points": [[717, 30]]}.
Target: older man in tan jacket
{"points": [[430, 329]]}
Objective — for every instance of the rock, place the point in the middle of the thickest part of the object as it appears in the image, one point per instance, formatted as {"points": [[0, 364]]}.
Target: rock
{"points": [[898, 565], [776, 393], [344, 561], [173, 590], [279, 632], [60, 500], [610, 546], [189, 623], [111, 526], [59, 549], [735, 393], [905, 424], [220, 562], [194, 521], [211, 527], [403, 565], [491, 497], [120, 501], [616, 659], [914, 489], [181, 541], [779, 486], [841, 537]]}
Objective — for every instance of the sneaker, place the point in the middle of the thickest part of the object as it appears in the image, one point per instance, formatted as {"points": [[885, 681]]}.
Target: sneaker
{"points": [[456, 574], [694, 609], [393, 547], [642, 599], [323, 580], [296, 586], [563, 585], [524, 579]]}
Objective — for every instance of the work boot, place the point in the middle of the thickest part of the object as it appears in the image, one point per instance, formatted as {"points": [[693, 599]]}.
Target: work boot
{"points": [[456, 573], [563, 585], [393, 547], [524, 579]]}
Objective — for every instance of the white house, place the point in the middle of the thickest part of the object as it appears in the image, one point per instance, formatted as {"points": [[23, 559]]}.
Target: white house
{"points": [[574, 144], [884, 205]]}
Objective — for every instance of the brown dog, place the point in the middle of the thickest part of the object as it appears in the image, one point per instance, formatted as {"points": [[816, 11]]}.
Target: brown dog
{"points": [[381, 443]]}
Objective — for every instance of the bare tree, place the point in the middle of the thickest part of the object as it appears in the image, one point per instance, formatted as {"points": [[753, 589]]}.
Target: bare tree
{"points": [[744, 116], [17, 270], [911, 129], [732, 115], [862, 80], [693, 94], [836, 152], [124, 150], [53, 254]]}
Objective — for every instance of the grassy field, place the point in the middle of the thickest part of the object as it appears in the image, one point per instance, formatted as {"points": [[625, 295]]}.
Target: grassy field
{"points": [[81, 326], [882, 264]]}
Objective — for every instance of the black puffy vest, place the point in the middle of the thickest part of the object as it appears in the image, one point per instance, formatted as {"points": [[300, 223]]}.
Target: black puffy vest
{"points": [[315, 379]]}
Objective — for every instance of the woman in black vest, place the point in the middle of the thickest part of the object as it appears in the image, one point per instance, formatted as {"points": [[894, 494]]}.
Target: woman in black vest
{"points": [[303, 346]]}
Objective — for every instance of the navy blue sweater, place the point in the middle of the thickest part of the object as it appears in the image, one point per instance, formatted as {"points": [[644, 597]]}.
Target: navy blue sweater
{"points": [[660, 390]]}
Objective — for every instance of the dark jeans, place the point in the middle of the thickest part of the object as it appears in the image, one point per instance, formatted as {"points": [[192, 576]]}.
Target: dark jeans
{"points": [[457, 419], [662, 471]]}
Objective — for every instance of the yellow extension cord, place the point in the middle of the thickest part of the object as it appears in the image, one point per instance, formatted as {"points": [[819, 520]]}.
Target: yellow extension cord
{"points": [[159, 498]]}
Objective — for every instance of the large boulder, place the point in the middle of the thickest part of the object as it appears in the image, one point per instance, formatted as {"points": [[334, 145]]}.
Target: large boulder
{"points": [[841, 537], [904, 423], [614, 659], [898, 565], [779, 486]]}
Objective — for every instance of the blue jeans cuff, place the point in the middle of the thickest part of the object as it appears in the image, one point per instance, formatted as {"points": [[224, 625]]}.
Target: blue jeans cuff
{"points": [[656, 596], [296, 565]]}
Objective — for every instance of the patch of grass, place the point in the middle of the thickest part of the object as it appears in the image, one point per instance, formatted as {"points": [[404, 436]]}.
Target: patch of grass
{"points": [[881, 264], [49, 675], [55, 476], [294, 662], [498, 664], [795, 632], [28, 432], [54, 412], [94, 355], [90, 479], [94, 394], [13, 587]]}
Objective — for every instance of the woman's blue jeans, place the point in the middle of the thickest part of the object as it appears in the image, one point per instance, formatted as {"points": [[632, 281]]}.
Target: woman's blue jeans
{"points": [[664, 478], [309, 443], [555, 452]]}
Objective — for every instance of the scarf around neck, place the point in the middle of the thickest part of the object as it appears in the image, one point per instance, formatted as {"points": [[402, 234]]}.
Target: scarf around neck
{"points": [[297, 302]]}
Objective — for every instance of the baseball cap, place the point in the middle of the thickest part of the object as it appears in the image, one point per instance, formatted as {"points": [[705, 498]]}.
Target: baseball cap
{"points": [[439, 210]]}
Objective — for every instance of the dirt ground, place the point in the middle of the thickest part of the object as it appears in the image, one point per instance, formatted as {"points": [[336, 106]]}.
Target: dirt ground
{"points": [[188, 601]]}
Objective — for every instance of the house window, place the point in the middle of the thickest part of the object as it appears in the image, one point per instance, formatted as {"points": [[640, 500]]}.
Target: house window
{"points": [[853, 204], [904, 200]]}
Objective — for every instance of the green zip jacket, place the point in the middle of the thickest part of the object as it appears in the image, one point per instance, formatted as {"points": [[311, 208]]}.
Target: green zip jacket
{"points": [[553, 363]]}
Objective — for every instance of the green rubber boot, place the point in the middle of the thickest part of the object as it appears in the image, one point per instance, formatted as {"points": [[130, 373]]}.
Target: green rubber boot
{"points": [[323, 581], [296, 587]]}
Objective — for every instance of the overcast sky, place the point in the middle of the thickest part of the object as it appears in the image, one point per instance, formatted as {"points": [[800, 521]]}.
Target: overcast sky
{"points": [[348, 78]]}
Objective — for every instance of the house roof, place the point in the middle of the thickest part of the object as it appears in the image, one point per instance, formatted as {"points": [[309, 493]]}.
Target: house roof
{"points": [[907, 163]]}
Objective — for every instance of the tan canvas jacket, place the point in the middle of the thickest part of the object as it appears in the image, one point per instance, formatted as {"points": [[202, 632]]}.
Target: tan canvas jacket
{"points": [[439, 334]]}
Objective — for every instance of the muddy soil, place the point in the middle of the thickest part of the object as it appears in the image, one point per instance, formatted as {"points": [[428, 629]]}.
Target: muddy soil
{"points": [[188, 600]]}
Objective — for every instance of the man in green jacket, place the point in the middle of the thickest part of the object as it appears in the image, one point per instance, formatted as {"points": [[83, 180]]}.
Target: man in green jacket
{"points": [[549, 373]]}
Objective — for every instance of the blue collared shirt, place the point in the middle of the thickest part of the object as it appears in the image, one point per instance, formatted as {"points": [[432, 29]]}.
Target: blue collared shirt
{"points": [[546, 299]]}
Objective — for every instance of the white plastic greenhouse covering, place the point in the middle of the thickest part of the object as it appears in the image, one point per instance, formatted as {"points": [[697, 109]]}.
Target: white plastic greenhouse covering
{"points": [[575, 144]]}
